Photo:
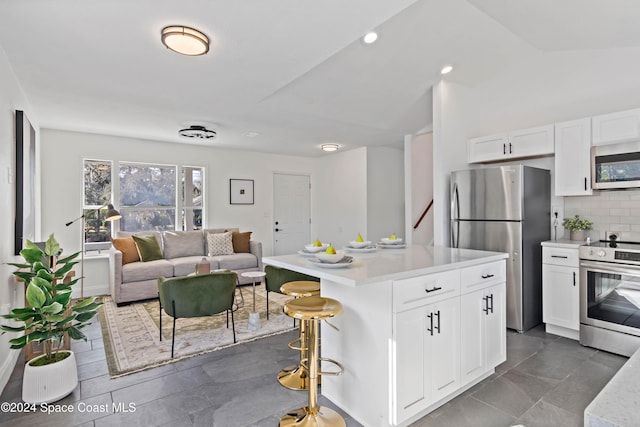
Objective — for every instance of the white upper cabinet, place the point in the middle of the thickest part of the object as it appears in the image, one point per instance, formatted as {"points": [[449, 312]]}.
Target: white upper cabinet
{"points": [[623, 126], [488, 148], [573, 158], [517, 144]]}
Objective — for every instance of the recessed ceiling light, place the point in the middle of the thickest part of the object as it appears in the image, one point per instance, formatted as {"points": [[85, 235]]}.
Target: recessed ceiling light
{"points": [[199, 132], [185, 40], [329, 147], [446, 69], [370, 37]]}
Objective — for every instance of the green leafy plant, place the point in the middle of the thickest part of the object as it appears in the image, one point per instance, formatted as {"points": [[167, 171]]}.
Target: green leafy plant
{"points": [[50, 314], [577, 224]]}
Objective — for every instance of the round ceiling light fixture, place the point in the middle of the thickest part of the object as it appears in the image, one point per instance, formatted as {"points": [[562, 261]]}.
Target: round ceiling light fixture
{"points": [[196, 131], [329, 147], [185, 40], [446, 69], [370, 37]]}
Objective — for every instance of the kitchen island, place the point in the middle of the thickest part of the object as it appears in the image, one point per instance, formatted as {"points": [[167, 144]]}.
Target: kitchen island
{"points": [[420, 325]]}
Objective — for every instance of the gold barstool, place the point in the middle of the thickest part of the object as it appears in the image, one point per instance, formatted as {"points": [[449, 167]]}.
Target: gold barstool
{"points": [[295, 377], [311, 310]]}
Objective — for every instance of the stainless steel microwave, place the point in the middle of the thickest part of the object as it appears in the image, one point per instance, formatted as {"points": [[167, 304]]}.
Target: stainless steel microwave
{"points": [[615, 166]]}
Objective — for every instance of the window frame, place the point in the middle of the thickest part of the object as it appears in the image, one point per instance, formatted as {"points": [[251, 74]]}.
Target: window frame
{"points": [[95, 246]]}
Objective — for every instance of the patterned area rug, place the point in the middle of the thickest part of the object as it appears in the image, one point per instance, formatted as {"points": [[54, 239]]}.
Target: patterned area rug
{"points": [[132, 340]]}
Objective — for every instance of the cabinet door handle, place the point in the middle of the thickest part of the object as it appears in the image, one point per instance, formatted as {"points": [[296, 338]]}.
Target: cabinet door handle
{"points": [[510, 146], [430, 329], [438, 316], [490, 297], [487, 276], [574, 278], [585, 183], [486, 305], [435, 288], [504, 149], [559, 256]]}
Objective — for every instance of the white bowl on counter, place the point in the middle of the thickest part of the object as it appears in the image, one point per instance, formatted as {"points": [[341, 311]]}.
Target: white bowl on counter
{"points": [[311, 248], [388, 241], [358, 245], [331, 258]]}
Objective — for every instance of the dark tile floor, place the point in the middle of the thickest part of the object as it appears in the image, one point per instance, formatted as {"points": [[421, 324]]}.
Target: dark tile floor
{"points": [[546, 381]]}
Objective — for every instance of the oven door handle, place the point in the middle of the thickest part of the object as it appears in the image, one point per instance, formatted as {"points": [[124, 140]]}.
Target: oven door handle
{"points": [[610, 268]]}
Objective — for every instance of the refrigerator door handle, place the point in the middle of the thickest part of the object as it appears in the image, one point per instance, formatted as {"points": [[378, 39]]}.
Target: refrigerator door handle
{"points": [[455, 217]]}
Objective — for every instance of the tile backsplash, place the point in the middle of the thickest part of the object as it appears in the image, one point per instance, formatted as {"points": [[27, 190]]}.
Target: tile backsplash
{"points": [[609, 211]]}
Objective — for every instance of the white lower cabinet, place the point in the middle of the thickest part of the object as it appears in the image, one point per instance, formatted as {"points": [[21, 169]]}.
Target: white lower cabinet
{"points": [[427, 345], [561, 291], [446, 342], [560, 296], [483, 325]]}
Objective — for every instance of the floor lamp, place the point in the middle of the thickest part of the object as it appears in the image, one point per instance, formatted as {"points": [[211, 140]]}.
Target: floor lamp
{"points": [[112, 215]]}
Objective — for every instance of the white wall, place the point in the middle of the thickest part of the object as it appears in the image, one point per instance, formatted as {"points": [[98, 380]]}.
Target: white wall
{"points": [[449, 150], [385, 192], [63, 153], [418, 154], [340, 193], [359, 191], [542, 89], [11, 98]]}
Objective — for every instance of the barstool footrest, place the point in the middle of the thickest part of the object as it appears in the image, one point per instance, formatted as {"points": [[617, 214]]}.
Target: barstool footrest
{"points": [[292, 345], [340, 370]]}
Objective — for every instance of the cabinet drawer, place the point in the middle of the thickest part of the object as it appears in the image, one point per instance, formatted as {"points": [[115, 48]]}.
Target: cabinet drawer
{"points": [[476, 277], [422, 290], [560, 256]]}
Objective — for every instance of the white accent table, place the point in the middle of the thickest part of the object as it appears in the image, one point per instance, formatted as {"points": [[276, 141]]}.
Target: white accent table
{"points": [[254, 317]]}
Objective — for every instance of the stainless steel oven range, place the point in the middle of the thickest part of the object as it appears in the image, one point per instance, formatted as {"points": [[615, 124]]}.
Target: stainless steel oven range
{"points": [[610, 296]]}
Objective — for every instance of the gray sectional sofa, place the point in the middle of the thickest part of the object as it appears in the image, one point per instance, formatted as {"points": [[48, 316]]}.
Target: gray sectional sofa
{"points": [[182, 250]]}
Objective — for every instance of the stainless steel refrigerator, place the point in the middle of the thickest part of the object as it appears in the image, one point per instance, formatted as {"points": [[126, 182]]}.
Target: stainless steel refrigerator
{"points": [[506, 209]]}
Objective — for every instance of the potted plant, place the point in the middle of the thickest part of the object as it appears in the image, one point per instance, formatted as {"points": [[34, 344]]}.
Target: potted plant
{"points": [[577, 227], [49, 316]]}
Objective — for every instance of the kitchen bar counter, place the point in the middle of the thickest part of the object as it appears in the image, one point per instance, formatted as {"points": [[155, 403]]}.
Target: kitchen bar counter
{"points": [[397, 366], [389, 264]]}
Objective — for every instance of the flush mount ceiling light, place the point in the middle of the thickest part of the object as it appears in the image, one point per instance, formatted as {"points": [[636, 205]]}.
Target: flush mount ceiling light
{"points": [[185, 40], [446, 69], [329, 147], [370, 37], [199, 132]]}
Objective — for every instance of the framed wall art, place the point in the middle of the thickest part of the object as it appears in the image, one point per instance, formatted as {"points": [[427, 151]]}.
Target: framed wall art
{"points": [[25, 220], [241, 191]]}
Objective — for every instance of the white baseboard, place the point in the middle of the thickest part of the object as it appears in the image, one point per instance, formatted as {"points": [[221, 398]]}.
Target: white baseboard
{"points": [[91, 290]]}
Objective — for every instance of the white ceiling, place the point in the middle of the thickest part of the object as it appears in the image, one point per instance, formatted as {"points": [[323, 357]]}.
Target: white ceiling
{"points": [[292, 70]]}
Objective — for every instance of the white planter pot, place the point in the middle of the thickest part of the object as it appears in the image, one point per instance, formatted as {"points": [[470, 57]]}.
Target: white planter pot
{"points": [[49, 383]]}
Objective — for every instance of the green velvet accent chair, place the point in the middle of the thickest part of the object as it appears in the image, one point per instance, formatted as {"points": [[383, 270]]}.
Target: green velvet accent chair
{"points": [[277, 276], [197, 296]]}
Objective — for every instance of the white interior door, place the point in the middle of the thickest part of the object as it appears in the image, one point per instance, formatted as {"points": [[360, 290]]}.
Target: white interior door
{"points": [[291, 213]]}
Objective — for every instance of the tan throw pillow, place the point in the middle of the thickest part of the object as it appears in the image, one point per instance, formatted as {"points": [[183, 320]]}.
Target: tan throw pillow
{"points": [[148, 248], [241, 241], [127, 246], [219, 244]]}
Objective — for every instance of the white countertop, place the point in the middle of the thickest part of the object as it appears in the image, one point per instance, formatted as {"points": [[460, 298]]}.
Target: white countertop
{"points": [[386, 264], [617, 403], [564, 243]]}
